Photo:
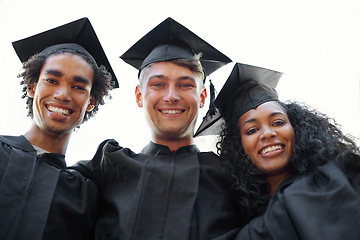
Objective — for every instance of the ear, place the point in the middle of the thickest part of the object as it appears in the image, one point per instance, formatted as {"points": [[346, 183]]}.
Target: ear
{"points": [[31, 91], [138, 96], [91, 105], [203, 96]]}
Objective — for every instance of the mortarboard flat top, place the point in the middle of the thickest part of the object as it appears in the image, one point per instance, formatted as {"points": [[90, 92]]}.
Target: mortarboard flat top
{"points": [[170, 40], [246, 88], [78, 35]]}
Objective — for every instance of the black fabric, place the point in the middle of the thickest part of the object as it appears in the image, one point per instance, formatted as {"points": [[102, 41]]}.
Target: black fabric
{"points": [[159, 194], [39, 198], [171, 40], [321, 206], [77, 35], [246, 88]]}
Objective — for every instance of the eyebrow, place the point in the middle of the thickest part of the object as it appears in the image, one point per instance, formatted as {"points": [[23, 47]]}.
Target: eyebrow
{"points": [[81, 80], [57, 73], [276, 113], [164, 77], [156, 76], [271, 115], [187, 78]]}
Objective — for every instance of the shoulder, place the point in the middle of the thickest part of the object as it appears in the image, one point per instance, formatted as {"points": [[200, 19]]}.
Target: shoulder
{"points": [[111, 146], [326, 178], [107, 147], [325, 199], [15, 148], [328, 188], [209, 159], [17, 141], [72, 171], [109, 154], [210, 156], [211, 168]]}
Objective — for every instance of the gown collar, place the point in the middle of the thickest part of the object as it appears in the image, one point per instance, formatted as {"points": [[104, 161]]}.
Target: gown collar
{"points": [[20, 142], [158, 149], [55, 159]]}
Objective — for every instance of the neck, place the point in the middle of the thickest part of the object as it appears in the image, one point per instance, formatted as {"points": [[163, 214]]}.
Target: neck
{"points": [[173, 144], [50, 142], [275, 180]]}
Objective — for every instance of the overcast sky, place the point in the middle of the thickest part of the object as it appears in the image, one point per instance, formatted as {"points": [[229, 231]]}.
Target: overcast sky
{"points": [[316, 43]]}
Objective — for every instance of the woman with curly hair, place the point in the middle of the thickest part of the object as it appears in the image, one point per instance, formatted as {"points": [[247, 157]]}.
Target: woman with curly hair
{"points": [[64, 85], [296, 174]]}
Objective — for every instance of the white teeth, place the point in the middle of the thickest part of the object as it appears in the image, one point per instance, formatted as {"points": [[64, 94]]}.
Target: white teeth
{"points": [[171, 111], [270, 149], [59, 110]]}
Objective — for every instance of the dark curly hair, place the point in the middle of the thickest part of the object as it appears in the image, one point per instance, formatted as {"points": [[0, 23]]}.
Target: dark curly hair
{"points": [[318, 140], [31, 69]]}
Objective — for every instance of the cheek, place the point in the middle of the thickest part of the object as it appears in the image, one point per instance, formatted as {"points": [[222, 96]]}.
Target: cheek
{"points": [[39, 91], [38, 97], [151, 95], [247, 144], [290, 135], [83, 101], [193, 99]]}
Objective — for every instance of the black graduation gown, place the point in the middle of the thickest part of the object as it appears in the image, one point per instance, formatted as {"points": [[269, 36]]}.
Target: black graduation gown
{"points": [[160, 194], [39, 198], [321, 206]]}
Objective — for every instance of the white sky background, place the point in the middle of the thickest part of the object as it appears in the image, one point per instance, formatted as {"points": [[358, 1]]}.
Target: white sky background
{"points": [[316, 43]]}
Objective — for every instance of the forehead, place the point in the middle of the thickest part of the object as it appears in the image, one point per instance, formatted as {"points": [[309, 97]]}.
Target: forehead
{"points": [[263, 110], [68, 65], [169, 70], [271, 106], [68, 62], [66, 56]]}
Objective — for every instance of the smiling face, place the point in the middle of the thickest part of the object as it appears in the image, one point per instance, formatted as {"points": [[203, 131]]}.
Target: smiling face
{"points": [[62, 94], [171, 96], [268, 137]]}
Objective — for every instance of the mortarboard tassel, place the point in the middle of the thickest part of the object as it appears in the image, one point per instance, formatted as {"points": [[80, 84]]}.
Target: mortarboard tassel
{"points": [[212, 108]]}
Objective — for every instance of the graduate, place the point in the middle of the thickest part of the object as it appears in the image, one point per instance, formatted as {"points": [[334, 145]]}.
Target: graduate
{"points": [[297, 175], [65, 77], [170, 190]]}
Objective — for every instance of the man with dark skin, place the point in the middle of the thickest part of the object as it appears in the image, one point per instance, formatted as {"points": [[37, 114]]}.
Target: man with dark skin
{"points": [[64, 86]]}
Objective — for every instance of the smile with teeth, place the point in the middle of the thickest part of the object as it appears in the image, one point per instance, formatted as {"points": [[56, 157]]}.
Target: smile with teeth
{"points": [[59, 110], [271, 148], [171, 111]]}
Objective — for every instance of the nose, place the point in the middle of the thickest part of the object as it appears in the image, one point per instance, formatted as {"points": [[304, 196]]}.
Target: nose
{"points": [[171, 95], [268, 133], [62, 93]]}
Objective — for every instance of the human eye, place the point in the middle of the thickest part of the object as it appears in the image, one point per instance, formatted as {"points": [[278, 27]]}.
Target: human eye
{"points": [[157, 84], [279, 123], [50, 80], [80, 88], [186, 85], [251, 131]]}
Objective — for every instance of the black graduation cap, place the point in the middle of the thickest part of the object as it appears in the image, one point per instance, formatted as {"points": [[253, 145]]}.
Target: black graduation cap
{"points": [[170, 40], [78, 35], [246, 88]]}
